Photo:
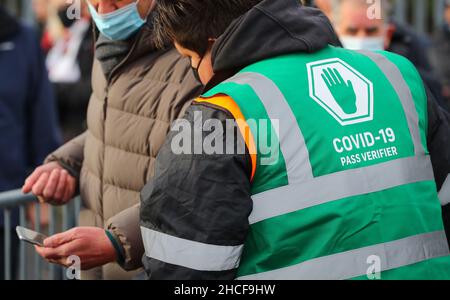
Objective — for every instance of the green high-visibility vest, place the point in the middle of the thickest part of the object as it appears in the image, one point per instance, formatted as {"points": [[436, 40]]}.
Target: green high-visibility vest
{"points": [[343, 187]]}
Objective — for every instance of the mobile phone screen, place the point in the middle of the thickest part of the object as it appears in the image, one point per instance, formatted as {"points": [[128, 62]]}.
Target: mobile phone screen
{"points": [[30, 236]]}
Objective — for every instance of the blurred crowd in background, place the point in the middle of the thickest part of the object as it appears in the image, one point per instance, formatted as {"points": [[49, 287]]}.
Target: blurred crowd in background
{"points": [[45, 72], [429, 52], [68, 46]]}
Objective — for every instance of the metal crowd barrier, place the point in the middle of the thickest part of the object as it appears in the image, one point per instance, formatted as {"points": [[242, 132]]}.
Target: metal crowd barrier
{"points": [[60, 219]]}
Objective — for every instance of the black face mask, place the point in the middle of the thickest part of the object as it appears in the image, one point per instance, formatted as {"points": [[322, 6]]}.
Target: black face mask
{"points": [[62, 14], [195, 70]]}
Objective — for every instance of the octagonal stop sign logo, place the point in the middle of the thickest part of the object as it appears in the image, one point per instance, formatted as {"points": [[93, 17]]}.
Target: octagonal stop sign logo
{"points": [[341, 90]]}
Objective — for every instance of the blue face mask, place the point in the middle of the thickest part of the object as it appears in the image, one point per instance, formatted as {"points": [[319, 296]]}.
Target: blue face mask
{"points": [[118, 25]]}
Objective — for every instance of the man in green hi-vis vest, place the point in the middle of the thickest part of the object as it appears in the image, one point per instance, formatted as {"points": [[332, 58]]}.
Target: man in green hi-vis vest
{"points": [[335, 180]]}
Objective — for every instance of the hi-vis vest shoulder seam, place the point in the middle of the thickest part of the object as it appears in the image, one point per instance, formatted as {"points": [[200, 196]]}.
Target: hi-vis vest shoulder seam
{"points": [[227, 103]]}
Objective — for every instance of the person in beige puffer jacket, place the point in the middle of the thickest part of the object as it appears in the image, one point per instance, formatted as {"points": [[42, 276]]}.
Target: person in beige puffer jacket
{"points": [[138, 91]]}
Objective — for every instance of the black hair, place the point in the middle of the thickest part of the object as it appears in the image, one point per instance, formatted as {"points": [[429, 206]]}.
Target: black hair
{"points": [[191, 23]]}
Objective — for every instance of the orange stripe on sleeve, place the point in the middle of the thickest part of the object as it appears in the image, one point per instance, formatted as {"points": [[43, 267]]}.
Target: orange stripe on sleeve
{"points": [[226, 102]]}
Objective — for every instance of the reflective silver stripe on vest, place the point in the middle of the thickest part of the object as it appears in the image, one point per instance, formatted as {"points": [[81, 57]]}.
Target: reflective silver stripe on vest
{"points": [[292, 142], [336, 186], [444, 193], [400, 86], [355, 263], [190, 254]]}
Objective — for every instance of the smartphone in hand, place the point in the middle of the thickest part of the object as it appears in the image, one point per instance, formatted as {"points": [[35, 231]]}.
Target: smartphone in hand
{"points": [[30, 236]]}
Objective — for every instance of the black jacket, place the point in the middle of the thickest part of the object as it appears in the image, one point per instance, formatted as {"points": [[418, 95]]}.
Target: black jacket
{"points": [[206, 198], [441, 53], [415, 47], [408, 43], [73, 98]]}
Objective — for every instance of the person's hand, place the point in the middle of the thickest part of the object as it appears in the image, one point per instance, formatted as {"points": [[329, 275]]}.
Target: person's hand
{"points": [[90, 244], [51, 183], [342, 91]]}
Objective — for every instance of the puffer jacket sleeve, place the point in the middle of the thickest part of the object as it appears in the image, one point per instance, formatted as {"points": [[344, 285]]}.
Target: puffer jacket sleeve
{"points": [[194, 213], [126, 230], [70, 156]]}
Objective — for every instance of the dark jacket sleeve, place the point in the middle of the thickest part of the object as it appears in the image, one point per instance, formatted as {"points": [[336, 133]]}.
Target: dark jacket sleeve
{"points": [[438, 140], [70, 155], [203, 198], [439, 147], [42, 128], [75, 96]]}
